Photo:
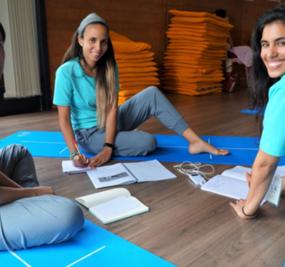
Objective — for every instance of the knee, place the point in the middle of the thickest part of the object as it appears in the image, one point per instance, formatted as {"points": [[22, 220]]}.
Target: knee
{"points": [[152, 90], [17, 150], [43, 220], [147, 144], [71, 218]]}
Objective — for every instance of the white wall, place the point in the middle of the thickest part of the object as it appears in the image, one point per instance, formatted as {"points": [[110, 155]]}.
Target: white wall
{"points": [[21, 70]]}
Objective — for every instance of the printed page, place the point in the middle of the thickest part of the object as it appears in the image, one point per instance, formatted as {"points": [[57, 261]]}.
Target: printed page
{"points": [[275, 189], [118, 208], [110, 175], [149, 171], [68, 167], [226, 186], [280, 171], [94, 199]]}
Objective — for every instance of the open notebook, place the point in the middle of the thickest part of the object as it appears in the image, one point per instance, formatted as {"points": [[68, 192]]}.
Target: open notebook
{"points": [[122, 173], [112, 205], [232, 183], [127, 173]]}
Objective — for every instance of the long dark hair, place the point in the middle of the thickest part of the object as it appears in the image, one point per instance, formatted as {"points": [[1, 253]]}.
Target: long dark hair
{"points": [[106, 96], [2, 32], [260, 81]]}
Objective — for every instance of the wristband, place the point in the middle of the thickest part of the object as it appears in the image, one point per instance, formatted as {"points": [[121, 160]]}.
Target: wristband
{"points": [[73, 154], [249, 216], [109, 145]]}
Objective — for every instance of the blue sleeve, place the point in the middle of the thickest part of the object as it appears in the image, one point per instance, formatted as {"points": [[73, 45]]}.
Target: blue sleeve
{"points": [[62, 87], [273, 135]]}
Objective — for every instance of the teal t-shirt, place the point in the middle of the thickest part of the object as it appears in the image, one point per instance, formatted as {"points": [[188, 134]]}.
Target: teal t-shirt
{"points": [[273, 136], [77, 90]]}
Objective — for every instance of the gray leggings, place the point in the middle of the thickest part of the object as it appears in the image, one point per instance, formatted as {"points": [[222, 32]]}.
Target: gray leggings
{"points": [[149, 102], [38, 220]]}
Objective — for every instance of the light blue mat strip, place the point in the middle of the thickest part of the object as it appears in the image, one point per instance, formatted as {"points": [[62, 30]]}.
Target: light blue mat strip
{"points": [[170, 148], [93, 246]]}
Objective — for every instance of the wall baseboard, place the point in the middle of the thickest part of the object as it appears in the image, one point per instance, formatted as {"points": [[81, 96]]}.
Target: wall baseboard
{"points": [[11, 106]]}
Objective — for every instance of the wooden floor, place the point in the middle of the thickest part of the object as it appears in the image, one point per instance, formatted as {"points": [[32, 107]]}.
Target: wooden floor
{"points": [[185, 225]]}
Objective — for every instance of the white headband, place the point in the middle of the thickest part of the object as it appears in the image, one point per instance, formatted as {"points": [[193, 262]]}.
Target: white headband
{"points": [[91, 18]]}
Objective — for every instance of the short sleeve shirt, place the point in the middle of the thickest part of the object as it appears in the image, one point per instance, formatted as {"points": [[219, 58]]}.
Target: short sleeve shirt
{"points": [[273, 136], [77, 90]]}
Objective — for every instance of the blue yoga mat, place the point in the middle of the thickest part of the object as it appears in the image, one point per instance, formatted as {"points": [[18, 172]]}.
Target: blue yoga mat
{"points": [[251, 111], [93, 246], [170, 148]]}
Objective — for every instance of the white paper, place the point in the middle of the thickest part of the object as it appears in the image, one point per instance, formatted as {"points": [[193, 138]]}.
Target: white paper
{"points": [[68, 167], [227, 186], [118, 208], [238, 172], [94, 199], [233, 184], [114, 207], [149, 171], [274, 192], [110, 175], [126, 173]]}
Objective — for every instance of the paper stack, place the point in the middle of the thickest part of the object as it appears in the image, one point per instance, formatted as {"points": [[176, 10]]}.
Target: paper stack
{"points": [[196, 49], [137, 68]]}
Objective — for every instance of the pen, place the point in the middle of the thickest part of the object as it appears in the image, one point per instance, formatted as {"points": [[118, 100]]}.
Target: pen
{"points": [[77, 149], [81, 156]]}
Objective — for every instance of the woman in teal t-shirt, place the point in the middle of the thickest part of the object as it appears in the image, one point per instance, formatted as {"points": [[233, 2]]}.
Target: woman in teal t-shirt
{"points": [[86, 88], [268, 43]]}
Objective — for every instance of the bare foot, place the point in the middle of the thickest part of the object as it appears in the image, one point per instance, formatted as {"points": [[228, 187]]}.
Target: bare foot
{"points": [[201, 146]]}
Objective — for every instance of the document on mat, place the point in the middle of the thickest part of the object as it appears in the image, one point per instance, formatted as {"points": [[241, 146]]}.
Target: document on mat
{"points": [[68, 167], [149, 171], [126, 173], [110, 175]]}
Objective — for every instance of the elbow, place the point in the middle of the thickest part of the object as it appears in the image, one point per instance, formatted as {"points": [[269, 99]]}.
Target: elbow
{"points": [[63, 121], [266, 165]]}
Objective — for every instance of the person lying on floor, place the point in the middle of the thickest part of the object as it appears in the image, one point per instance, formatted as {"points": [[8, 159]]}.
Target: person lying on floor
{"points": [[30, 215], [86, 92]]}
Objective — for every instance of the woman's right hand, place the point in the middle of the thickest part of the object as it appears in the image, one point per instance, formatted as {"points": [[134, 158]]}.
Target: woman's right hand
{"points": [[80, 161]]}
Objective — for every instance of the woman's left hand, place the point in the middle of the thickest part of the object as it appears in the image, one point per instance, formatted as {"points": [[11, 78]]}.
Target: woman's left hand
{"points": [[101, 158], [238, 207]]}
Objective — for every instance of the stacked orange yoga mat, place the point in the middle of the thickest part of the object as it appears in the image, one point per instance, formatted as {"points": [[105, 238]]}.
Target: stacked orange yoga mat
{"points": [[137, 68], [197, 46]]}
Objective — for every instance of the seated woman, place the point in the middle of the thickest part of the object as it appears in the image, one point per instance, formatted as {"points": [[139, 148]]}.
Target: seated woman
{"points": [[86, 89], [268, 45], [30, 215]]}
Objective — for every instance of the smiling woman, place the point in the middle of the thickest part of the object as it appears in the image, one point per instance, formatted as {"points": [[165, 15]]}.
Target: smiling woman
{"points": [[273, 48], [268, 44], [86, 91]]}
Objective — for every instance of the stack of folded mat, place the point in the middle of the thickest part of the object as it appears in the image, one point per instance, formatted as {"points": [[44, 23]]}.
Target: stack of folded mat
{"points": [[197, 46], [137, 68]]}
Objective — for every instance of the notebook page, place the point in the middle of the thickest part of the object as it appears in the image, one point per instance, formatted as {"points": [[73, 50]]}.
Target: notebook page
{"points": [[110, 175], [68, 167], [226, 186], [148, 171], [118, 208]]}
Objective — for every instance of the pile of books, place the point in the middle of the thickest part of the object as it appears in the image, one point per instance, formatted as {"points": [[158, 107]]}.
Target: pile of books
{"points": [[137, 68], [197, 46]]}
